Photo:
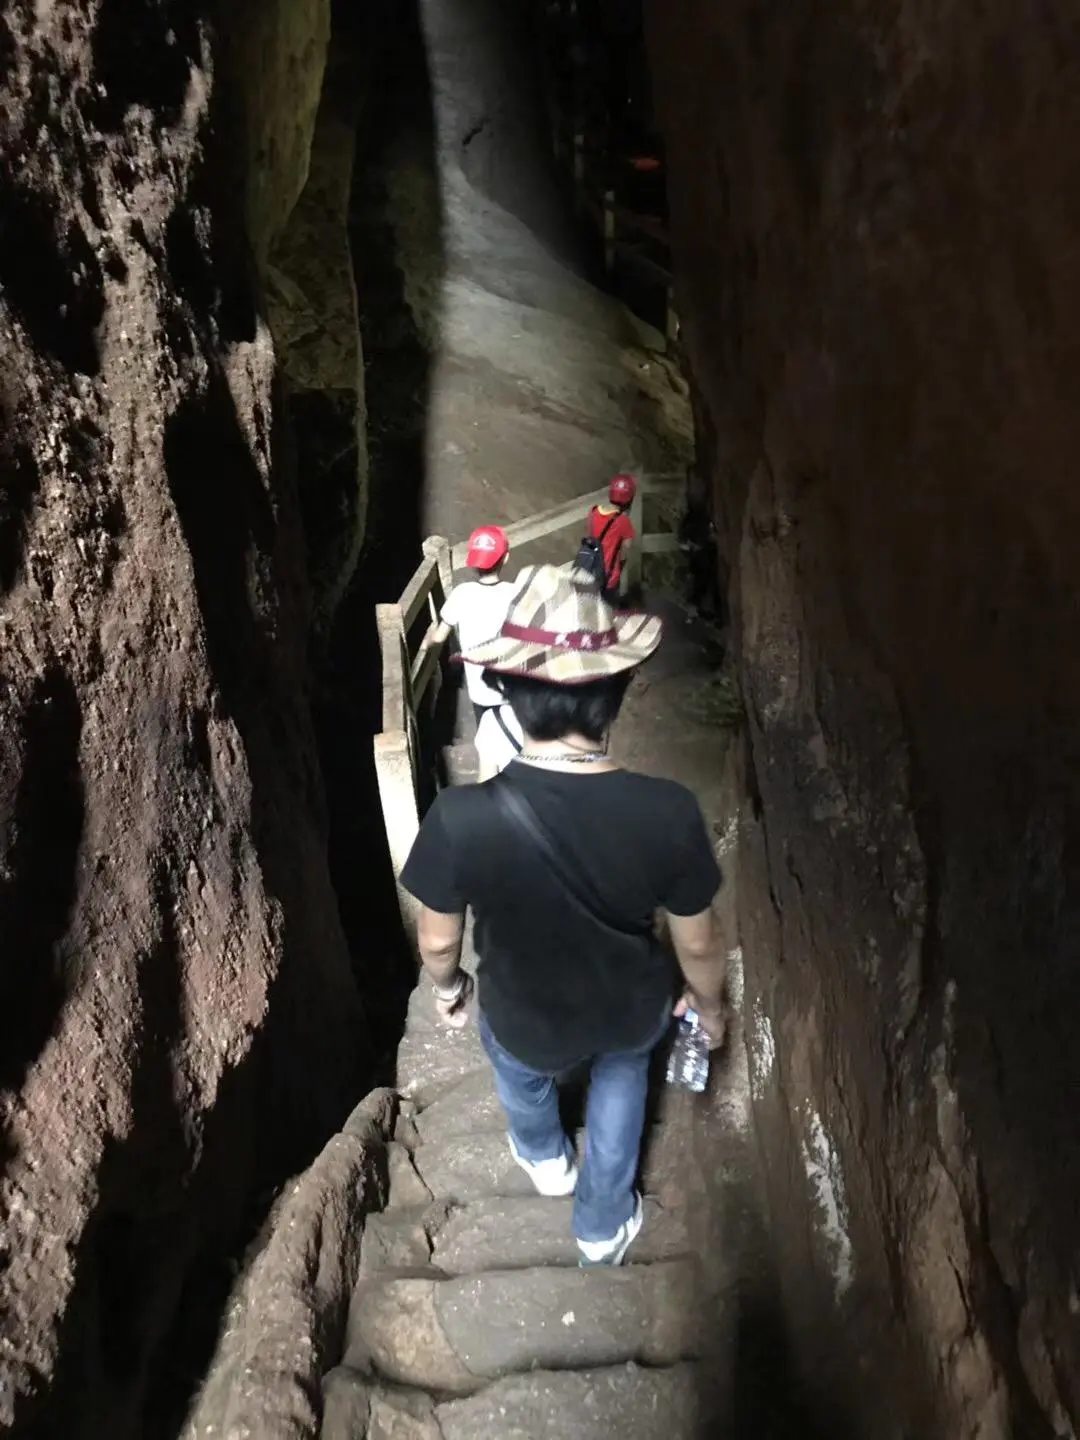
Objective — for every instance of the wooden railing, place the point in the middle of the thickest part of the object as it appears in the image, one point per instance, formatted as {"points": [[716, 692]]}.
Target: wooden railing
{"points": [[406, 680], [408, 669]]}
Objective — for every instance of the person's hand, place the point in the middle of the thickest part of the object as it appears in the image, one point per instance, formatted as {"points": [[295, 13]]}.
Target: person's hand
{"points": [[714, 1018], [453, 1008]]}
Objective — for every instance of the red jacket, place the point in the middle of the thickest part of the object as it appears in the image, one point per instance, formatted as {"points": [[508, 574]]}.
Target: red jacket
{"points": [[620, 529]]}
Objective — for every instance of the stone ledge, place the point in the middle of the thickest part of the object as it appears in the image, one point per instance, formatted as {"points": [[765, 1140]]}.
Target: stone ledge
{"points": [[285, 1322]]}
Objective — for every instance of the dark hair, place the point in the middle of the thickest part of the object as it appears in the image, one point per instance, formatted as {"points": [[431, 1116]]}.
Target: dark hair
{"points": [[547, 711]]}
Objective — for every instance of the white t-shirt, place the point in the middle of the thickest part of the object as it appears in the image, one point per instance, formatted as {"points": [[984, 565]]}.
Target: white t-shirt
{"points": [[492, 744], [477, 611]]}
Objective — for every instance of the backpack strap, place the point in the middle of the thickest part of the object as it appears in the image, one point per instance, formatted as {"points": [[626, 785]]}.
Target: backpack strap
{"points": [[515, 808], [607, 527], [501, 722]]}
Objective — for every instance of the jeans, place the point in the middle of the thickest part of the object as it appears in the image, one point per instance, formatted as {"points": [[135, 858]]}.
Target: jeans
{"points": [[614, 1120]]}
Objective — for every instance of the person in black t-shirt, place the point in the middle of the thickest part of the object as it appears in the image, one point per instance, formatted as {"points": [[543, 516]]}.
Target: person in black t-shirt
{"points": [[565, 859]]}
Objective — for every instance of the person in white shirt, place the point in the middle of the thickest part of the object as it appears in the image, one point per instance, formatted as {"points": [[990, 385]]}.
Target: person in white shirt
{"points": [[476, 610]]}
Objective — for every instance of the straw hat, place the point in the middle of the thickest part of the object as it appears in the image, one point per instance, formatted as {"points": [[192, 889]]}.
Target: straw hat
{"points": [[559, 628]]}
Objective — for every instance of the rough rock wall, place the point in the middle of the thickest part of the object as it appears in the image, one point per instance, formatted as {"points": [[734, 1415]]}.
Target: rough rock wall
{"points": [[296, 74], [877, 241], [489, 109], [313, 316], [180, 1021]]}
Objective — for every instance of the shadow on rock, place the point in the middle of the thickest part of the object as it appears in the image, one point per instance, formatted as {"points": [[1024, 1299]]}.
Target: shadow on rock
{"points": [[395, 166], [40, 847]]}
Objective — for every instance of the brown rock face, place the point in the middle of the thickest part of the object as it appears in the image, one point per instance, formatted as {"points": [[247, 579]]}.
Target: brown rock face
{"points": [[297, 83], [878, 249], [179, 1017]]}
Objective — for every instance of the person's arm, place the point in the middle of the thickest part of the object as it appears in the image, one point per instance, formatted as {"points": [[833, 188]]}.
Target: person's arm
{"points": [[695, 935], [703, 961], [448, 620], [626, 543], [438, 939], [429, 875]]}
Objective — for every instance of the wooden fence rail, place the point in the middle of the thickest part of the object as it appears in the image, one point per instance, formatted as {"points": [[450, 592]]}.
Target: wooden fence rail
{"points": [[408, 673]]}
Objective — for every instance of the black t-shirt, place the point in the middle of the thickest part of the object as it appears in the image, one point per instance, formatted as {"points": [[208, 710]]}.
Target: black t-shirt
{"points": [[556, 986]]}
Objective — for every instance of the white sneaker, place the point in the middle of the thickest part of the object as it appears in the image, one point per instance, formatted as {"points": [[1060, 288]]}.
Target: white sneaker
{"points": [[613, 1251], [551, 1177]]}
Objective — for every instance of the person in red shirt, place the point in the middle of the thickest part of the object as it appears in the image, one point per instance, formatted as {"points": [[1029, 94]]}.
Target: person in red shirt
{"points": [[610, 523]]}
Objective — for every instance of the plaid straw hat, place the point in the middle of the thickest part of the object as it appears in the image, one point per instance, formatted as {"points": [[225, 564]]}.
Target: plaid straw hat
{"points": [[559, 628]]}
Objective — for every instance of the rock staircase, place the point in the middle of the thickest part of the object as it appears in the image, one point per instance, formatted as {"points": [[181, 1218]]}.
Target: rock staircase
{"points": [[471, 1319]]}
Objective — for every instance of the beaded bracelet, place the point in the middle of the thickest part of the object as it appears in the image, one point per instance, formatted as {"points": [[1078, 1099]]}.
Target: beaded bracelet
{"points": [[447, 996]]}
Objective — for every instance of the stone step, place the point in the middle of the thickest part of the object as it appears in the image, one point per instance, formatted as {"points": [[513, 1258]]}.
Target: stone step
{"points": [[399, 1239], [620, 1400], [468, 1167], [346, 1398], [430, 1060], [623, 1401], [405, 1187], [469, 1107], [356, 1409], [514, 1234], [455, 1335], [497, 1233], [473, 1105]]}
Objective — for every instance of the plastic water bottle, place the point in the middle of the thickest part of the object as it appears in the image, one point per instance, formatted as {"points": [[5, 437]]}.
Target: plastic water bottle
{"points": [[688, 1064]]}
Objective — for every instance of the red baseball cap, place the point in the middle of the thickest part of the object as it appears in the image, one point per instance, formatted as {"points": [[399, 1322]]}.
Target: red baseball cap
{"points": [[622, 489], [487, 546]]}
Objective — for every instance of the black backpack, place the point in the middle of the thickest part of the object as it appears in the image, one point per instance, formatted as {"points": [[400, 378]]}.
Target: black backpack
{"points": [[590, 555]]}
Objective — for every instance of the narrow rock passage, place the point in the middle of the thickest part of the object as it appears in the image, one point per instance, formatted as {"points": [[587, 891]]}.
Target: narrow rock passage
{"points": [[470, 1317]]}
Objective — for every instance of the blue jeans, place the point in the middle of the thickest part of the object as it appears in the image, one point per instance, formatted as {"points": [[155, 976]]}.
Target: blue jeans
{"points": [[614, 1120]]}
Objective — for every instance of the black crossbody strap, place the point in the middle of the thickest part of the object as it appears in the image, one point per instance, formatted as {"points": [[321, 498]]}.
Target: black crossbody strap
{"points": [[501, 721], [607, 527], [518, 810], [600, 541]]}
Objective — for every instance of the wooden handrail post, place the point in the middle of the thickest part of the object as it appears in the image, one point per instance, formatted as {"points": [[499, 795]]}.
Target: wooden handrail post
{"points": [[671, 322], [609, 230], [426, 670], [437, 548], [397, 798], [558, 130], [395, 690], [637, 519], [396, 752]]}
